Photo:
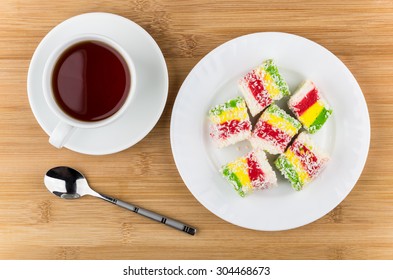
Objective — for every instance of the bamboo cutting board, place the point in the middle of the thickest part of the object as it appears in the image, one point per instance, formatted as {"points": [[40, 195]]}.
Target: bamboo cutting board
{"points": [[36, 225]]}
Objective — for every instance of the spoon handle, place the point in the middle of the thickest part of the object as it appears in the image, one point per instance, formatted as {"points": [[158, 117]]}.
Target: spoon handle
{"points": [[152, 215]]}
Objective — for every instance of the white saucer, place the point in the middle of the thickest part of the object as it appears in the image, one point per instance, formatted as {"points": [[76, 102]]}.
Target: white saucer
{"points": [[147, 107]]}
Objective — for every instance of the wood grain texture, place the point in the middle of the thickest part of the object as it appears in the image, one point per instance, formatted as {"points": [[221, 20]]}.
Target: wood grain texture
{"points": [[36, 225]]}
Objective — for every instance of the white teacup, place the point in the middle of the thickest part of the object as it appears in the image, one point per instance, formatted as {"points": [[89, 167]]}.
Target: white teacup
{"points": [[67, 124]]}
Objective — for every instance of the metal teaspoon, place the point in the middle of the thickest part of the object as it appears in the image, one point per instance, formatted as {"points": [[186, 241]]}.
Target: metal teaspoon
{"points": [[68, 183]]}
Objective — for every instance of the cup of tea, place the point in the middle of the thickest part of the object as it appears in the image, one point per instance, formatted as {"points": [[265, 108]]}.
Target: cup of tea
{"points": [[88, 81]]}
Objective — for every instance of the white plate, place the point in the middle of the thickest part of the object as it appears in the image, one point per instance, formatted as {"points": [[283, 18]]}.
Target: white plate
{"points": [[150, 65], [345, 136]]}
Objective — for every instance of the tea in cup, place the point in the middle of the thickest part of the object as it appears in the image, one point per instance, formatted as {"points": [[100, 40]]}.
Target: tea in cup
{"points": [[89, 81]]}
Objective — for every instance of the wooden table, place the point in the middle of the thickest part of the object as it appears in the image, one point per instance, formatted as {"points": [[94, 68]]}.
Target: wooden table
{"points": [[36, 225]]}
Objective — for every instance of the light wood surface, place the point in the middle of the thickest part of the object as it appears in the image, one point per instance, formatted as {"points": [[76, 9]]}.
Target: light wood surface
{"points": [[36, 225]]}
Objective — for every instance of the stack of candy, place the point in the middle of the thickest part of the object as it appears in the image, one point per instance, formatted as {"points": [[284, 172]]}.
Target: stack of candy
{"points": [[250, 173], [309, 107], [261, 86], [274, 130], [301, 162], [229, 122]]}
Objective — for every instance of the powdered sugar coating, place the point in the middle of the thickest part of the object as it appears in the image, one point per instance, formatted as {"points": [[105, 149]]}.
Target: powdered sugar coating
{"points": [[270, 176], [255, 94], [274, 130], [249, 173], [302, 162], [262, 85], [311, 109], [269, 138], [229, 122]]}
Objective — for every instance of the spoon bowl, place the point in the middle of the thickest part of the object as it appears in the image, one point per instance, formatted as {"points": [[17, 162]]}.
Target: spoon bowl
{"points": [[68, 183]]}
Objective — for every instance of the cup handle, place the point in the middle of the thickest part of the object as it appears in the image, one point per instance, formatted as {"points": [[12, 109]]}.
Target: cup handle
{"points": [[61, 134]]}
